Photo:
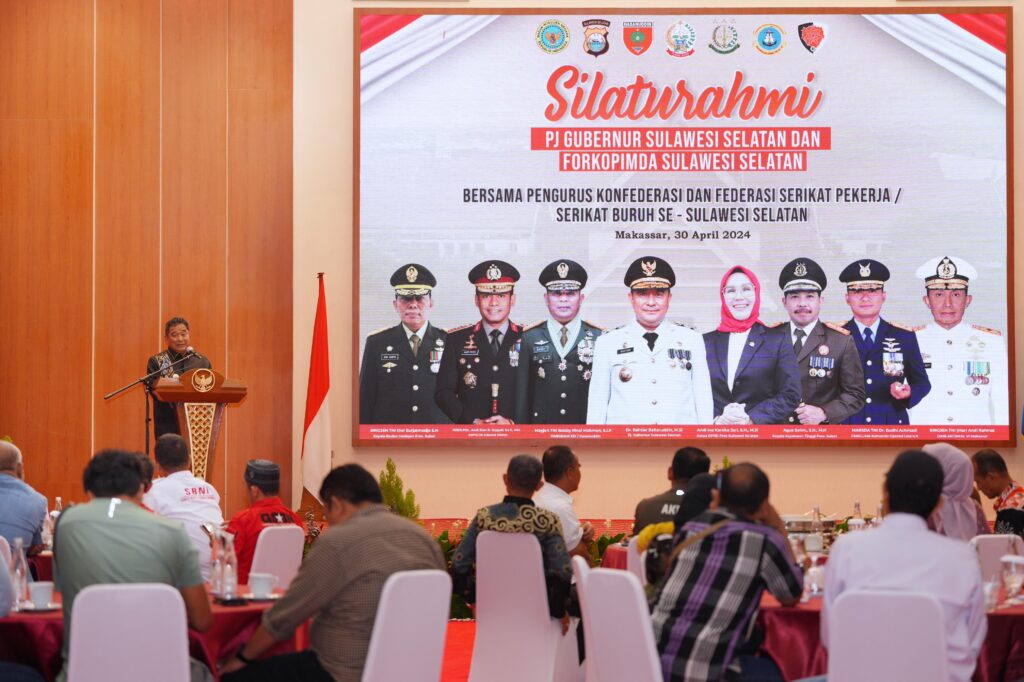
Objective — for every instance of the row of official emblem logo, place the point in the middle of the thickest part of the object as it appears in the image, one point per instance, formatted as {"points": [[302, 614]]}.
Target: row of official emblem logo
{"points": [[681, 38]]}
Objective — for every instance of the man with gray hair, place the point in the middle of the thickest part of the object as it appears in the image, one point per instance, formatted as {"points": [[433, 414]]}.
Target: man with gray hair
{"points": [[22, 509]]}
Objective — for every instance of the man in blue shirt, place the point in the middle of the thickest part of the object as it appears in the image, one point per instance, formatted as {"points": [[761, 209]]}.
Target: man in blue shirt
{"points": [[22, 509]]}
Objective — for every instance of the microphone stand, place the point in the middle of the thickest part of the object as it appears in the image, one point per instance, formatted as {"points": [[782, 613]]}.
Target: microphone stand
{"points": [[148, 388]]}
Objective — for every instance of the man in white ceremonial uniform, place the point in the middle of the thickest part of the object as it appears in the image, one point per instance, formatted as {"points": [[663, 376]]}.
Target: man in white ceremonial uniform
{"points": [[966, 363], [651, 371]]}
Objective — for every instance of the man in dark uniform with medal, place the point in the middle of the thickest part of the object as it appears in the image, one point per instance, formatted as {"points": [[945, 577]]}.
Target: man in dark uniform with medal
{"points": [[477, 380], [400, 364], [831, 376], [173, 362], [557, 354], [894, 374]]}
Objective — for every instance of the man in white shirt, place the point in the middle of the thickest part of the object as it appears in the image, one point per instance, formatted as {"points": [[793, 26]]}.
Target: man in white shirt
{"points": [[562, 477], [904, 555], [181, 496]]}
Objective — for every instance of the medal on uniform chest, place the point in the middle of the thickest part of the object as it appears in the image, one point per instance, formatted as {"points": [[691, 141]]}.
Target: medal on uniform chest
{"points": [[975, 391], [892, 358], [562, 365], [586, 375], [579, 368], [540, 372], [625, 374], [977, 372], [682, 355], [585, 349], [389, 366], [823, 349], [513, 354], [435, 358], [469, 379]]}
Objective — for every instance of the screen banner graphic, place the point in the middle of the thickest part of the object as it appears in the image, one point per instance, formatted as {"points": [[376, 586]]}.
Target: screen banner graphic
{"points": [[732, 225]]}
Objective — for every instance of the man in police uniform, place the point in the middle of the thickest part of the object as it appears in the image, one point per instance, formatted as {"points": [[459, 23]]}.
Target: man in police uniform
{"points": [[650, 371], [831, 377], [966, 363], [400, 363], [477, 381], [894, 374], [557, 354]]}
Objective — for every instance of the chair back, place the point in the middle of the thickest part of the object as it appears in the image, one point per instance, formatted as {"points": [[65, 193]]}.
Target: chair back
{"points": [[635, 561], [512, 606], [620, 626], [5, 551], [991, 548], [279, 552], [122, 632], [581, 571], [887, 637], [408, 636]]}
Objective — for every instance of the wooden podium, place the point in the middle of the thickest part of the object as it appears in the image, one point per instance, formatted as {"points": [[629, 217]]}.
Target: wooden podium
{"points": [[200, 396]]}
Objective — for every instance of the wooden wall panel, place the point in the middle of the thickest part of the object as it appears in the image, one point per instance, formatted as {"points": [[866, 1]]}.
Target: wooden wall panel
{"points": [[128, 324], [46, 237], [259, 241], [195, 177]]}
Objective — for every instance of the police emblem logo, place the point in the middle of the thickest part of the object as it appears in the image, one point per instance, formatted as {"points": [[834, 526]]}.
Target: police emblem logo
{"points": [[812, 36], [865, 269], [638, 36], [563, 270], [493, 272], [648, 267], [946, 269], [411, 273], [595, 38], [553, 36], [769, 39], [800, 270], [681, 38], [725, 39]]}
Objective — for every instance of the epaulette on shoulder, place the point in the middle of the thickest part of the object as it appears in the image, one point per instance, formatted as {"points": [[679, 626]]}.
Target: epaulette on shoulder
{"points": [[459, 329], [685, 326], [917, 328], [773, 325], [986, 329], [838, 328], [533, 326], [595, 326], [902, 326], [382, 329]]}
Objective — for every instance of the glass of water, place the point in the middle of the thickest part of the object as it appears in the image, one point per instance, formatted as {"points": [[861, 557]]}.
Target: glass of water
{"points": [[1013, 574]]}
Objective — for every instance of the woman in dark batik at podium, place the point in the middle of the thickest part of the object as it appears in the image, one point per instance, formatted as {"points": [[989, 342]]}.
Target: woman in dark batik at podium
{"points": [[175, 361]]}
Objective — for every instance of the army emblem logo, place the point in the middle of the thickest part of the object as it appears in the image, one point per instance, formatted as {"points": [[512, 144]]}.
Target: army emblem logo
{"points": [[493, 272], [946, 269], [865, 269], [812, 36], [800, 270], [638, 36], [595, 36], [648, 267], [769, 39], [724, 38], [411, 273], [680, 38], [563, 270], [553, 36]]}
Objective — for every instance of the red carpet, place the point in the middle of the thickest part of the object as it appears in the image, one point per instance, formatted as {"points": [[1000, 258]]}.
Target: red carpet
{"points": [[458, 651]]}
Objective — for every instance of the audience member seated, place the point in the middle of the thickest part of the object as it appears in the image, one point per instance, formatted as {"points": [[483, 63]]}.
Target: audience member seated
{"points": [[517, 513], [338, 585], [959, 516], [562, 476], [657, 540], [993, 480], [183, 497], [903, 555], [111, 539], [687, 463], [12, 672], [148, 472], [263, 483], [737, 550], [22, 509]]}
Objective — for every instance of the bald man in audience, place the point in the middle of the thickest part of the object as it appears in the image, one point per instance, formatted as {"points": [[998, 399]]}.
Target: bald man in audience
{"points": [[22, 509], [562, 475]]}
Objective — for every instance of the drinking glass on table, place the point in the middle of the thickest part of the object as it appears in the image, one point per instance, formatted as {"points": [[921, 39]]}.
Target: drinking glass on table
{"points": [[1013, 574], [814, 576]]}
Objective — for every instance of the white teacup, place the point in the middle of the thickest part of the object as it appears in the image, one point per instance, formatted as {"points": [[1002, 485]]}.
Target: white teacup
{"points": [[262, 584], [40, 593]]}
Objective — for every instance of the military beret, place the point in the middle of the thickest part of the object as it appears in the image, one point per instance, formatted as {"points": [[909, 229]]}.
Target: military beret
{"points": [[563, 275], [412, 279], [947, 272], [262, 472], [802, 274], [650, 272], [494, 277], [864, 274]]}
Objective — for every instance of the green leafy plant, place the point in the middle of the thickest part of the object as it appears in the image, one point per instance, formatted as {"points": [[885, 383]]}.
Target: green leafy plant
{"points": [[460, 610], [8, 439], [402, 502], [726, 463], [598, 547]]}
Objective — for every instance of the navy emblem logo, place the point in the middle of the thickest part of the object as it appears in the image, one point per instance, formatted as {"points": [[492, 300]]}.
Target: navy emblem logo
{"points": [[812, 36], [680, 38], [595, 37], [769, 39], [946, 269], [553, 36]]}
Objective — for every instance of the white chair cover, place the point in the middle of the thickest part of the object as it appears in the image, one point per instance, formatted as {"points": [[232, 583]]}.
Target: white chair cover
{"points": [[5, 551], [635, 562], [620, 626], [410, 628], [128, 632], [279, 552], [991, 548], [581, 571]]}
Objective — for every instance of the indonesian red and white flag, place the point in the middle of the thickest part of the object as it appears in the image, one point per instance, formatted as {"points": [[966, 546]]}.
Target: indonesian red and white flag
{"points": [[316, 429]]}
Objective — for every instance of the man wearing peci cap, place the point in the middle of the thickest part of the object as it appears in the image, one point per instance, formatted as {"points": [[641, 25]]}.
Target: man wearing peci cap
{"points": [[477, 380], [400, 364], [650, 371], [966, 363], [831, 377], [894, 374], [263, 483], [558, 353]]}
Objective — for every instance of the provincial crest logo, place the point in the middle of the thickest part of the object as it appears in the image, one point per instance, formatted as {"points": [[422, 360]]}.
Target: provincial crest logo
{"points": [[638, 36], [681, 38], [553, 36], [724, 38], [411, 273], [769, 39], [812, 36], [563, 270], [595, 36]]}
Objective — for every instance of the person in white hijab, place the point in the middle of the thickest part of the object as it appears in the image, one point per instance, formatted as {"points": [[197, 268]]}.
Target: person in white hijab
{"points": [[958, 516]]}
